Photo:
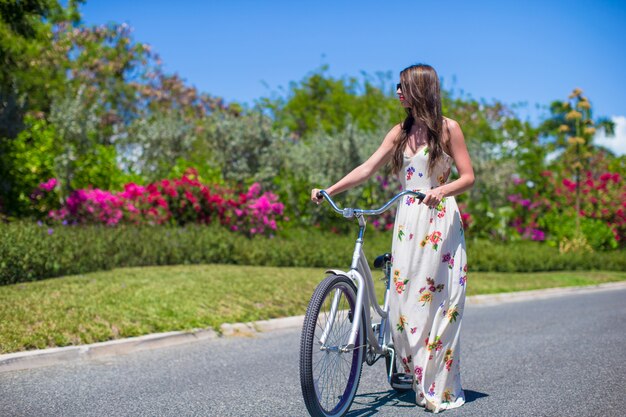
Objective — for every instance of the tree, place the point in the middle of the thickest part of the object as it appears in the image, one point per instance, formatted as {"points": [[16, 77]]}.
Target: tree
{"points": [[321, 101], [502, 147], [104, 83], [28, 74], [571, 129]]}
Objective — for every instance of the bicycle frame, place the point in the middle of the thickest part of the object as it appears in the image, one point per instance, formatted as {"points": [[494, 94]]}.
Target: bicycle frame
{"points": [[361, 274]]}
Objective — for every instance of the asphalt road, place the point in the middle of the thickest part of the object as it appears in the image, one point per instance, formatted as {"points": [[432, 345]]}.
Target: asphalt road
{"points": [[554, 357]]}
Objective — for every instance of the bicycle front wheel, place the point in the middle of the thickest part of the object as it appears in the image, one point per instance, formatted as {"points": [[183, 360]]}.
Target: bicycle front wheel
{"points": [[330, 377]]}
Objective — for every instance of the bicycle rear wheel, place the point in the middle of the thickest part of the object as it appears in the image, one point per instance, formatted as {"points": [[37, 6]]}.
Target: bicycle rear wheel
{"points": [[329, 377]]}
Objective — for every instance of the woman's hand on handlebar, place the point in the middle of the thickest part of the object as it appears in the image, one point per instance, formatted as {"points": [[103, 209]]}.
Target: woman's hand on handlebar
{"points": [[314, 198], [433, 197]]}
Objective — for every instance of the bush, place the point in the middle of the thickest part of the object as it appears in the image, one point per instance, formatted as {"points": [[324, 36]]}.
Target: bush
{"points": [[30, 252], [179, 201], [548, 212]]}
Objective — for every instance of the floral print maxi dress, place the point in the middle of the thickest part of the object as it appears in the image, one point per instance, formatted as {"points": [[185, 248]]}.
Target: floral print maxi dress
{"points": [[429, 273]]}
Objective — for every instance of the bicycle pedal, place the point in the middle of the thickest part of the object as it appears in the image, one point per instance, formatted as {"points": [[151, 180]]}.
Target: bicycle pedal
{"points": [[402, 381]]}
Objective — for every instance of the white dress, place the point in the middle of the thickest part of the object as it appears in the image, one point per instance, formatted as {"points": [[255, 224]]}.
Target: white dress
{"points": [[429, 271]]}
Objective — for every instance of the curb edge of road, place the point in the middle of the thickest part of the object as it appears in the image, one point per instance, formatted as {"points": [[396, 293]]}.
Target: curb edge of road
{"points": [[45, 357]]}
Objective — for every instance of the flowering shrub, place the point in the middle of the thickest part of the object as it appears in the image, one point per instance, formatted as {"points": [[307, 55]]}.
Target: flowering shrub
{"points": [[466, 218], [180, 201], [549, 213], [254, 212], [387, 187], [90, 206], [44, 197]]}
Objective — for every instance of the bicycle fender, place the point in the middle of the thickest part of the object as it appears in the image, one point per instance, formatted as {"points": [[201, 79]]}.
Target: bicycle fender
{"points": [[342, 273]]}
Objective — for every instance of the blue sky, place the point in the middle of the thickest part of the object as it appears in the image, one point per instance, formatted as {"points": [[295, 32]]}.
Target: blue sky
{"points": [[518, 52]]}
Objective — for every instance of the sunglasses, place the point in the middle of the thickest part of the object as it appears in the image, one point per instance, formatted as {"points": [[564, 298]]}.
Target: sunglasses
{"points": [[398, 86]]}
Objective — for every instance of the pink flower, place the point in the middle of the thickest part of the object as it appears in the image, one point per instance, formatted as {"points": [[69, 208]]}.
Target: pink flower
{"points": [[48, 185], [254, 190], [262, 204]]}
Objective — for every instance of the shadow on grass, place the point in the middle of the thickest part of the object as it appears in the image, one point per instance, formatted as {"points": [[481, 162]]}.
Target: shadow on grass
{"points": [[374, 401]]}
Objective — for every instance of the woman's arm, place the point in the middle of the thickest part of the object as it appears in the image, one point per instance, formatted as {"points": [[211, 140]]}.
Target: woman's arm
{"points": [[361, 173], [458, 149]]}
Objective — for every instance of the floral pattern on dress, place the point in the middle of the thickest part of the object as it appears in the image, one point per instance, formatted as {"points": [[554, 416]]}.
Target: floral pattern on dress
{"points": [[401, 323], [434, 238], [453, 314], [419, 374], [409, 173], [405, 363], [441, 208], [448, 259], [399, 283], [448, 359], [447, 396], [400, 233], [463, 279], [430, 284], [435, 345], [430, 253], [411, 199], [431, 390], [425, 298]]}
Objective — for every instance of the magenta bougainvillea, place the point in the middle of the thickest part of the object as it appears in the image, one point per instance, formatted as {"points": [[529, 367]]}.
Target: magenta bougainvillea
{"points": [[178, 201], [603, 199]]}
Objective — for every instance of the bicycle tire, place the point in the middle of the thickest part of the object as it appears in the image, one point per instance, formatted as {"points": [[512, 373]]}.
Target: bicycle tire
{"points": [[346, 370]]}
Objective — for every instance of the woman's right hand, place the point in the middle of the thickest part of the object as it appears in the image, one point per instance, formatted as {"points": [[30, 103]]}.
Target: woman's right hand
{"points": [[314, 198]]}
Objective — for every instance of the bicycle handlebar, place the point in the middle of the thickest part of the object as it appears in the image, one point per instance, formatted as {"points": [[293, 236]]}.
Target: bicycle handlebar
{"points": [[352, 212]]}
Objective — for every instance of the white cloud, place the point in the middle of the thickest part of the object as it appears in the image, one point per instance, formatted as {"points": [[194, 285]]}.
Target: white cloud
{"points": [[615, 143]]}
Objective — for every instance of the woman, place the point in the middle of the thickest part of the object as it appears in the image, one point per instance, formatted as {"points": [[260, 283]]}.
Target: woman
{"points": [[428, 251]]}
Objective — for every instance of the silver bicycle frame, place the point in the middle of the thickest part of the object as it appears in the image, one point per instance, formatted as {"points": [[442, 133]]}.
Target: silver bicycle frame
{"points": [[361, 274]]}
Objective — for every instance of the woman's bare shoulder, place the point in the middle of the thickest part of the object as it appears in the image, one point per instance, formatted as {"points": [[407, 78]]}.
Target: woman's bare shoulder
{"points": [[451, 129], [393, 133], [396, 129]]}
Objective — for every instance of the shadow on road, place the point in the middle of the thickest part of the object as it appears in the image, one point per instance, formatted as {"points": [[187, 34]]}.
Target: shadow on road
{"points": [[473, 395], [391, 398]]}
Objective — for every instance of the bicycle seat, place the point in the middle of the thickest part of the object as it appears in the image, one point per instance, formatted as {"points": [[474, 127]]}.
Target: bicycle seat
{"points": [[382, 260]]}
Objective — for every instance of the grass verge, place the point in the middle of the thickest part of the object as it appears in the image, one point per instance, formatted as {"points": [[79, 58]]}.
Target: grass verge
{"points": [[135, 301]]}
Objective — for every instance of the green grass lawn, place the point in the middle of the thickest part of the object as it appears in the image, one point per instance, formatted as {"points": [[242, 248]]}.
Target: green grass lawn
{"points": [[135, 301]]}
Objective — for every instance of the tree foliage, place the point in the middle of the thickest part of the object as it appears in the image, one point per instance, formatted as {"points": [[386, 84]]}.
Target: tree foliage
{"points": [[86, 107], [323, 102], [99, 89]]}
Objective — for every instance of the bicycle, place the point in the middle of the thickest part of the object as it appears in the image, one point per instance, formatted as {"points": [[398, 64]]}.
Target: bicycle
{"points": [[338, 330]]}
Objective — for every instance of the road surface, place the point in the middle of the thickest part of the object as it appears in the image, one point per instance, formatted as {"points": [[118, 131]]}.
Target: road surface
{"points": [[563, 356]]}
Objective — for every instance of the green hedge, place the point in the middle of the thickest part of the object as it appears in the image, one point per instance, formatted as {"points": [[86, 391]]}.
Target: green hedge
{"points": [[29, 252]]}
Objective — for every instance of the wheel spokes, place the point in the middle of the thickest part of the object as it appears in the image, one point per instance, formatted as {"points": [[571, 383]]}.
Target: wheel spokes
{"points": [[331, 367]]}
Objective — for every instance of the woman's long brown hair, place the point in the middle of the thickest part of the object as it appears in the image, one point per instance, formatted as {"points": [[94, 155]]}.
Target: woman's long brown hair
{"points": [[421, 90]]}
